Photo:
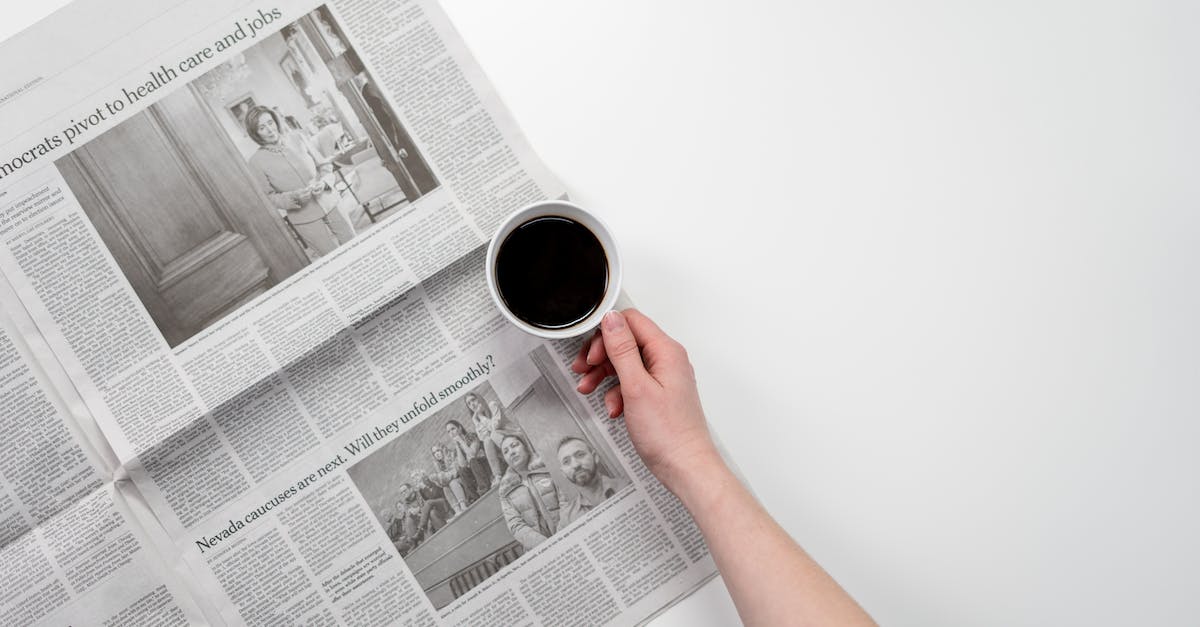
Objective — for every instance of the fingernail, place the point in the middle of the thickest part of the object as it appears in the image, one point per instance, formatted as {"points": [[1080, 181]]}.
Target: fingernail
{"points": [[609, 407], [613, 321]]}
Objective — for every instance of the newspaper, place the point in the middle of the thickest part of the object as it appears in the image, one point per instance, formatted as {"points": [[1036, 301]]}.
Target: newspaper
{"points": [[249, 369]]}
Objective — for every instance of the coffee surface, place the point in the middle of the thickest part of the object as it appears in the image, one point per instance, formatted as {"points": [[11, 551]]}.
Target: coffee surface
{"points": [[551, 272]]}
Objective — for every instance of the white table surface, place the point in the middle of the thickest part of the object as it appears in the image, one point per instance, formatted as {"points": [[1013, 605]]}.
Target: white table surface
{"points": [[937, 263]]}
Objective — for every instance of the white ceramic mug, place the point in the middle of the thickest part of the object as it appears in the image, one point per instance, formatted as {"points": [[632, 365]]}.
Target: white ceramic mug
{"points": [[577, 214]]}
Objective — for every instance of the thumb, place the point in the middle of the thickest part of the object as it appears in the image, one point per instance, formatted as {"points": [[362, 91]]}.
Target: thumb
{"points": [[622, 350]]}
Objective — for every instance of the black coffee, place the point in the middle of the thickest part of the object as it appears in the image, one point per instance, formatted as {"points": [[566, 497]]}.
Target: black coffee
{"points": [[551, 272]]}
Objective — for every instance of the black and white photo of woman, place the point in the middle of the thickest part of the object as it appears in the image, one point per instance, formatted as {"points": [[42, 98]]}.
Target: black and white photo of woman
{"points": [[297, 181]]}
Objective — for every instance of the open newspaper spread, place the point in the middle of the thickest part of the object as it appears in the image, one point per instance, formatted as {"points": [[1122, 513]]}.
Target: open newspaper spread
{"points": [[249, 369]]}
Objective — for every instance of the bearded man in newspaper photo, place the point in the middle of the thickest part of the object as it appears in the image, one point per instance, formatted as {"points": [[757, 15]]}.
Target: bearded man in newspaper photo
{"points": [[528, 496], [455, 530], [580, 464]]}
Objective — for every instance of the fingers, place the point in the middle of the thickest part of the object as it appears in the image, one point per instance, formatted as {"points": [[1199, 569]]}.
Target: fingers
{"points": [[662, 355], [623, 353], [614, 402], [591, 353], [580, 364], [630, 346], [596, 354], [594, 377]]}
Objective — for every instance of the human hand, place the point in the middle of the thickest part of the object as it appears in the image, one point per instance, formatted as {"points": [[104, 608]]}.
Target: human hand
{"points": [[656, 392]]}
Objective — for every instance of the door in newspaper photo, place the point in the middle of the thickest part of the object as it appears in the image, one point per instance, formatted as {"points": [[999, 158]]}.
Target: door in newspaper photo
{"points": [[493, 474], [238, 179]]}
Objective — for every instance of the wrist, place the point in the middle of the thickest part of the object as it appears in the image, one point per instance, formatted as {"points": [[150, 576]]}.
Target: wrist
{"points": [[699, 478]]}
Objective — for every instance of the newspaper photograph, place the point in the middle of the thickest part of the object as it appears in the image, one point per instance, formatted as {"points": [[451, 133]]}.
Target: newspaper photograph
{"points": [[269, 160], [252, 373], [483, 481]]}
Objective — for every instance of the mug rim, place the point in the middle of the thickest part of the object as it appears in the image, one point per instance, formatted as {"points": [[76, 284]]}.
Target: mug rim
{"points": [[591, 222]]}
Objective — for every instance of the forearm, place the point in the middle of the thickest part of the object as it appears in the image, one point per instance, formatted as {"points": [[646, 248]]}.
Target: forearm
{"points": [[771, 579]]}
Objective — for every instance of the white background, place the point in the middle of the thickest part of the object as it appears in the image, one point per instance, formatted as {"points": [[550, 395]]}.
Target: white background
{"points": [[937, 263]]}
